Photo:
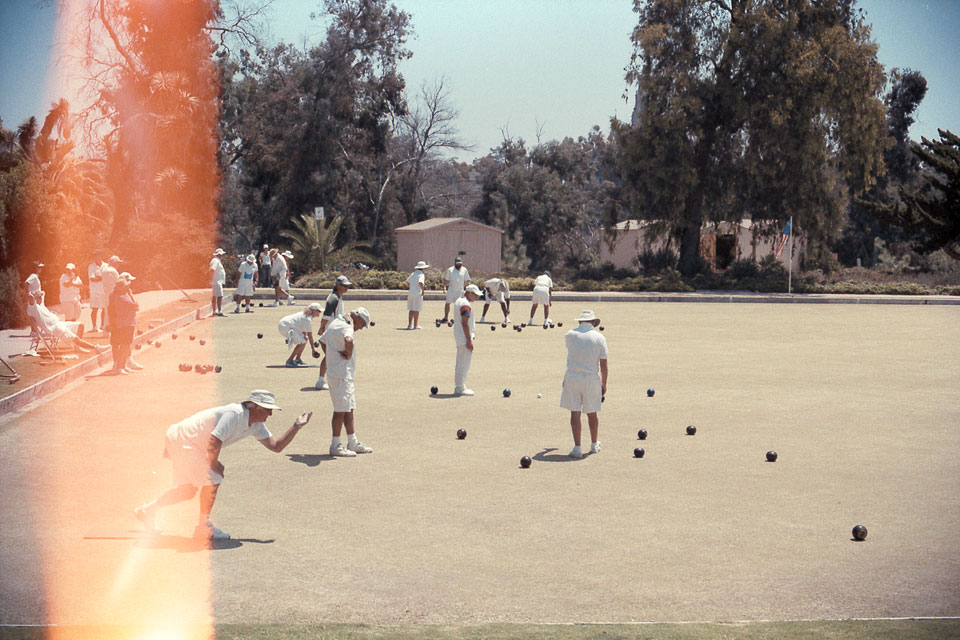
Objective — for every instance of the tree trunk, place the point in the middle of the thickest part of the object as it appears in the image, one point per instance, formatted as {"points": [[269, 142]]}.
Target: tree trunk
{"points": [[689, 249]]}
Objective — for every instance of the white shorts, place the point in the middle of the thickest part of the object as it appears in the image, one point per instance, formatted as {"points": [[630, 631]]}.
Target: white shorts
{"points": [[245, 288], [292, 337], [342, 394], [581, 393], [217, 289], [190, 465], [493, 298], [284, 283], [98, 300], [453, 294], [541, 295], [414, 302]]}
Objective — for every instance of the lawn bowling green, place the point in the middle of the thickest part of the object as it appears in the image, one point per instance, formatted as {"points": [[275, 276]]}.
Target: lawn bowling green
{"points": [[861, 402]]}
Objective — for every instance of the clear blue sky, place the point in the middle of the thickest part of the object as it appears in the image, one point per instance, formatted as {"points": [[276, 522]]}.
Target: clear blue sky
{"points": [[513, 63]]}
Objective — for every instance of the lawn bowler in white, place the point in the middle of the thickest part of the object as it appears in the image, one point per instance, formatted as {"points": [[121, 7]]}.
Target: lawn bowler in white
{"points": [[455, 280], [280, 272], [193, 447], [297, 332], [70, 284], [583, 386], [98, 300], [464, 333], [217, 277], [496, 290], [110, 272], [542, 294], [415, 295], [50, 324], [341, 369], [33, 280], [332, 309], [246, 283], [265, 266]]}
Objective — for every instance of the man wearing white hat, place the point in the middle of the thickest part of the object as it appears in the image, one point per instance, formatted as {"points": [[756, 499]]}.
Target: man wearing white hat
{"points": [[496, 290], [280, 272], [341, 370], [583, 387], [297, 332], [50, 323], [542, 293], [455, 279], [217, 277], [415, 295], [70, 284], [464, 333], [33, 280], [246, 283], [193, 446], [332, 309], [98, 300]]}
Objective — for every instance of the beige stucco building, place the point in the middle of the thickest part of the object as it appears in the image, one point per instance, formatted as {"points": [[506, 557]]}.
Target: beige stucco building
{"points": [[440, 240]]}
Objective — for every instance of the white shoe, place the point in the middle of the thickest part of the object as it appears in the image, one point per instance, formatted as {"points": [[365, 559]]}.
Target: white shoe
{"points": [[341, 451], [289, 301], [595, 447], [463, 392], [506, 320], [483, 318], [210, 532], [576, 452], [359, 447], [273, 304], [321, 385], [132, 364]]}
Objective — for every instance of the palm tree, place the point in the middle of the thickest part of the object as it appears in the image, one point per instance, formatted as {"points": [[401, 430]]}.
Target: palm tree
{"points": [[315, 244]]}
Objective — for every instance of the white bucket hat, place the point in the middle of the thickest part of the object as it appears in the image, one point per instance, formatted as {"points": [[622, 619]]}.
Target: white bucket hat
{"points": [[251, 258], [219, 252], [422, 265], [287, 254], [363, 313], [263, 398], [472, 288], [126, 277], [71, 266], [587, 316]]}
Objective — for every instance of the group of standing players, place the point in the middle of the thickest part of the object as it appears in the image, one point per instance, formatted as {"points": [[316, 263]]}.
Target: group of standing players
{"points": [[193, 445]]}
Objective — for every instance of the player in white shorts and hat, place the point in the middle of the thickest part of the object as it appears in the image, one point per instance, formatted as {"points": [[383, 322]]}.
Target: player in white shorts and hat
{"points": [[193, 446], [297, 332], [70, 284], [98, 300], [415, 295], [341, 369], [246, 282], [542, 293], [583, 387], [217, 277], [455, 280]]}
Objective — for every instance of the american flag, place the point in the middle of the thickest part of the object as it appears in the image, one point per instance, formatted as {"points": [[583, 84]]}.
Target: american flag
{"points": [[782, 242]]}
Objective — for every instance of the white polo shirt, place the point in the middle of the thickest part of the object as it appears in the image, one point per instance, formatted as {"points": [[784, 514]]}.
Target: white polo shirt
{"points": [[543, 281], [461, 305], [456, 277], [229, 423], [69, 288], [219, 274], [279, 267], [496, 285], [298, 321], [415, 280], [585, 349], [265, 258], [335, 337], [93, 271], [110, 278]]}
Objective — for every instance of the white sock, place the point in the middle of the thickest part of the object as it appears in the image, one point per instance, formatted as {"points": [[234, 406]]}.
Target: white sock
{"points": [[335, 442], [351, 438]]}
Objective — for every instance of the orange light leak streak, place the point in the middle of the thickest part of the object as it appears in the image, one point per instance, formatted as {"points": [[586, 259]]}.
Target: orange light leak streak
{"points": [[102, 453]]}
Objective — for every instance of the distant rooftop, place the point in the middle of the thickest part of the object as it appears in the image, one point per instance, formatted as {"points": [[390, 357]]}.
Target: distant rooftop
{"points": [[433, 223]]}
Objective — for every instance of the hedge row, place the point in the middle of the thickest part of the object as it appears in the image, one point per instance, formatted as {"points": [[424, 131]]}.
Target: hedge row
{"points": [[669, 281]]}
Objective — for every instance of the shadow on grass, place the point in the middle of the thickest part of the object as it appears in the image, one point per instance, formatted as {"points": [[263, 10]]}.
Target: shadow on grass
{"points": [[183, 544], [547, 456], [310, 459]]}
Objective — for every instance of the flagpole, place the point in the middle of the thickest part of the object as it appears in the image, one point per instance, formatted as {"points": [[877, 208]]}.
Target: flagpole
{"points": [[790, 259]]}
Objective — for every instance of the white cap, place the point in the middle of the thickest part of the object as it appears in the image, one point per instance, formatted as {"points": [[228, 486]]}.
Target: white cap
{"points": [[344, 280], [114, 259], [71, 266], [315, 306], [126, 277], [472, 288], [363, 313], [263, 398]]}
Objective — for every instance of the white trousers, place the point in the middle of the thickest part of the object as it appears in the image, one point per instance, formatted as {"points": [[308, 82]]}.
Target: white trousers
{"points": [[464, 356]]}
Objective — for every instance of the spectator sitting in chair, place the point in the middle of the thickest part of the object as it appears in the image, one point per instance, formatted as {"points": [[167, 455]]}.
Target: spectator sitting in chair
{"points": [[48, 324]]}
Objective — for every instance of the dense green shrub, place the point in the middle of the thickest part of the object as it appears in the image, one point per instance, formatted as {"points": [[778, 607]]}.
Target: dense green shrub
{"points": [[13, 311]]}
